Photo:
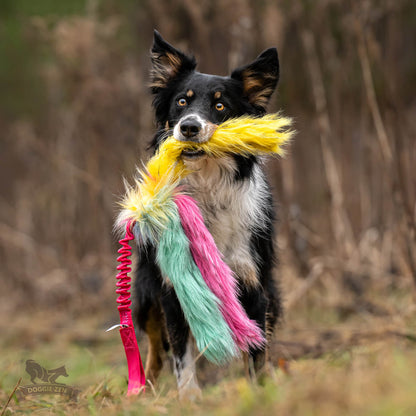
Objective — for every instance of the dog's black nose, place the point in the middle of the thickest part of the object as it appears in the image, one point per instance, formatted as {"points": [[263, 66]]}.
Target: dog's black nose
{"points": [[190, 127]]}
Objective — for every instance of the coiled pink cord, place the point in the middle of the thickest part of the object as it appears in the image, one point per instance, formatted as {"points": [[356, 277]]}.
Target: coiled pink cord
{"points": [[137, 379]]}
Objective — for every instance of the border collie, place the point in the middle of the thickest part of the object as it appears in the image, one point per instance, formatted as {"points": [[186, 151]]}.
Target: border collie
{"points": [[233, 195]]}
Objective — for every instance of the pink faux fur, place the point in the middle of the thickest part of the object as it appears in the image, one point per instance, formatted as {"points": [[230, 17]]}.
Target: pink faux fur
{"points": [[217, 275]]}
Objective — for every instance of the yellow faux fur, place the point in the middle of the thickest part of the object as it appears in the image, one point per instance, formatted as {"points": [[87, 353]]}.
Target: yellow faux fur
{"points": [[244, 135]]}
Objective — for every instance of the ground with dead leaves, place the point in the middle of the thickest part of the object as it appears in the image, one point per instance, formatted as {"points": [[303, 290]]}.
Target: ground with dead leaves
{"points": [[326, 361]]}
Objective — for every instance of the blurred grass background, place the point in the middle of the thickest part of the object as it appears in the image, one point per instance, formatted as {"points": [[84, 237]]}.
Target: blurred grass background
{"points": [[75, 117]]}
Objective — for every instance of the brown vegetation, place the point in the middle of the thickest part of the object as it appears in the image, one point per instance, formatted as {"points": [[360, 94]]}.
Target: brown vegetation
{"points": [[76, 117], [346, 190]]}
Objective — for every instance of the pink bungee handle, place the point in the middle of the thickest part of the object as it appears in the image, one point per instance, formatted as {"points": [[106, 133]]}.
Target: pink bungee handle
{"points": [[137, 379]]}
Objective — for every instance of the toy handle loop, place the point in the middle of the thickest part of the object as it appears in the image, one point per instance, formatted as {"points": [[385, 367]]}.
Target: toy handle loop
{"points": [[137, 379]]}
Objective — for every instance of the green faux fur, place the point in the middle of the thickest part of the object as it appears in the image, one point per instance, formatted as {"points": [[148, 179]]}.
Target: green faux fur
{"points": [[200, 306]]}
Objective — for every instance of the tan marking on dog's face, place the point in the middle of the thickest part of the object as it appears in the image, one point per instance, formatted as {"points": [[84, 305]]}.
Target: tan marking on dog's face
{"points": [[217, 95], [190, 93], [210, 129]]}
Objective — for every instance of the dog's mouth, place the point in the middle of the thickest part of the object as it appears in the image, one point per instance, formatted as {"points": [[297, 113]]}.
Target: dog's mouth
{"points": [[192, 153]]}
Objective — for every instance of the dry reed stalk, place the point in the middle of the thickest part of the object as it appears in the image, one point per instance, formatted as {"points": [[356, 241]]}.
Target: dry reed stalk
{"points": [[339, 219], [307, 284], [163, 15], [402, 197], [196, 11], [61, 162], [10, 236], [10, 396], [371, 95]]}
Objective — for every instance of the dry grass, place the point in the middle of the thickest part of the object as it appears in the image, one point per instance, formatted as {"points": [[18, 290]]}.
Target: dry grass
{"points": [[375, 377], [326, 360]]}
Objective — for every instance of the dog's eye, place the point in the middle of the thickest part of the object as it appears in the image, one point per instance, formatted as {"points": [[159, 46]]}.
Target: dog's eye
{"points": [[182, 102], [219, 106]]}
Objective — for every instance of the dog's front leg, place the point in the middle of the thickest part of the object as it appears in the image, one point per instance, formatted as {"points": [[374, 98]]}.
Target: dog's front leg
{"points": [[255, 303], [182, 344]]}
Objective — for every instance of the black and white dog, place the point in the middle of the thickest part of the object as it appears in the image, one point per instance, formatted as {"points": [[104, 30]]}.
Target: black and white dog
{"points": [[233, 195]]}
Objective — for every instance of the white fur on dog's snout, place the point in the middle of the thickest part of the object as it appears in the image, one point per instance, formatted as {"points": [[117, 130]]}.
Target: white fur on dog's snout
{"points": [[207, 129]]}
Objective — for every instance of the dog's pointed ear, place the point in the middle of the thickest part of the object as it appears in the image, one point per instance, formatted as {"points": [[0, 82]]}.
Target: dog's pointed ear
{"points": [[167, 63], [259, 78]]}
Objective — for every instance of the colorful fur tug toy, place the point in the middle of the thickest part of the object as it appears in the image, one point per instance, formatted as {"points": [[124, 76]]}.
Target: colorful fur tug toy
{"points": [[157, 210]]}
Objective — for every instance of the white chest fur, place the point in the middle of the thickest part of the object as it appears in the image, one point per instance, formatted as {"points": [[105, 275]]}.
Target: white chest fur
{"points": [[232, 209]]}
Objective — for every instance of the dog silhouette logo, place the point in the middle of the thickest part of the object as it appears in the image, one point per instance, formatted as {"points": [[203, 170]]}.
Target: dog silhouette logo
{"points": [[44, 382], [35, 371]]}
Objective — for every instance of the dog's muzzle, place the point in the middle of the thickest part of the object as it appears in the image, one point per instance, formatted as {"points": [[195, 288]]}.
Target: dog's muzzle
{"points": [[190, 129], [193, 128]]}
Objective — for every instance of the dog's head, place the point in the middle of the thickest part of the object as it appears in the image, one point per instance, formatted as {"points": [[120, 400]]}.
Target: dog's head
{"points": [[191, 104]]}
